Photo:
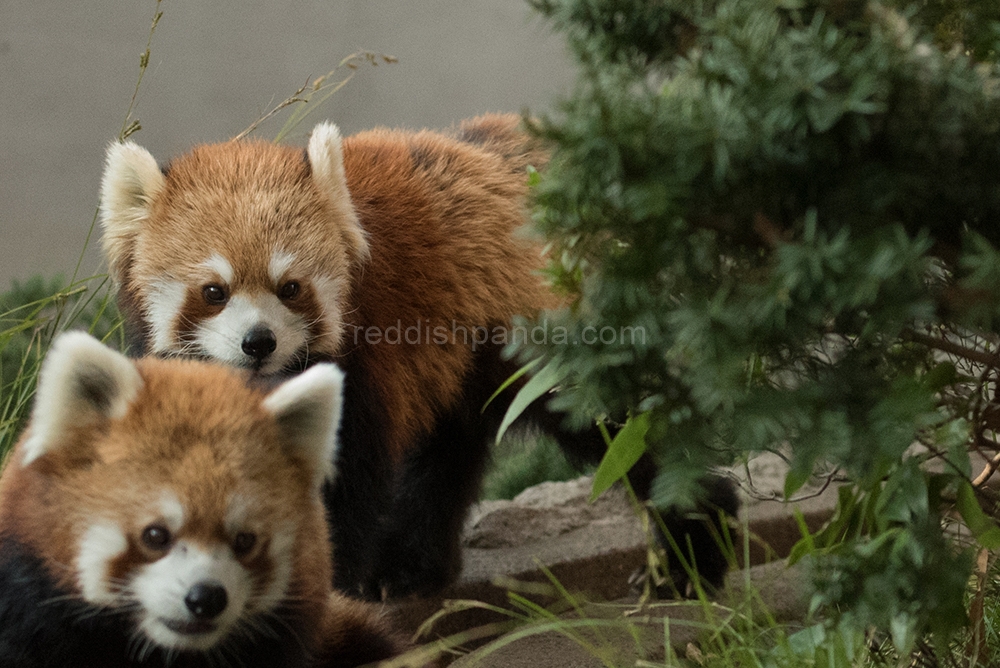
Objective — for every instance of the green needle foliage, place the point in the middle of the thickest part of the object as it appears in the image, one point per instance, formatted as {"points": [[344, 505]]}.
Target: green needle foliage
{"points": [[776, 223]]}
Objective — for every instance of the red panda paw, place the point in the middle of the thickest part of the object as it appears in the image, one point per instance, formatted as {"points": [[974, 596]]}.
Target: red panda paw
{"points": [[408, 565]]}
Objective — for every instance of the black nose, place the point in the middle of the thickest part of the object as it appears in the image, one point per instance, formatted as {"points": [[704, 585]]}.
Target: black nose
{"points": [[259, 342], [206, 600]]}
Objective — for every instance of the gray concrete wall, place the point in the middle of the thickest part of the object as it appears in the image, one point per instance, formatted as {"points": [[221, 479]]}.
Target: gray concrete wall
{"points": [[68, 69]]}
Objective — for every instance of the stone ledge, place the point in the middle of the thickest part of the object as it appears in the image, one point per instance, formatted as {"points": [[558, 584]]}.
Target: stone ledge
{"points": [[781, 591], [593, 548], [589, 548]]}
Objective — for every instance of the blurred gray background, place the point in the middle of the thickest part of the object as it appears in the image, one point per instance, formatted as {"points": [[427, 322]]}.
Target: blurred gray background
{"points": [[68, 70]]}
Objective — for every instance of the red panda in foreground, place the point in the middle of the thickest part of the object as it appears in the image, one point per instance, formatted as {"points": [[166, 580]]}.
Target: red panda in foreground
{"points": [[161, 513], [395, 254]]}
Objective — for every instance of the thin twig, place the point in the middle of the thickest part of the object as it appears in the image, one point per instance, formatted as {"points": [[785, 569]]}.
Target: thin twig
{"points": [[952, 348], [300, 96], [752, 491], [987, 471], [287, 102], [127, 128]]}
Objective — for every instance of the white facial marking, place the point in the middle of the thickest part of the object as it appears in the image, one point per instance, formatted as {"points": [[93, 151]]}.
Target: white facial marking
{"points": [[164, 302], [221, 336], [280, 551], [280, 263], [161, 587], [240, 509], [100, 543], [220, 266], [330, 292], [171, 511]]}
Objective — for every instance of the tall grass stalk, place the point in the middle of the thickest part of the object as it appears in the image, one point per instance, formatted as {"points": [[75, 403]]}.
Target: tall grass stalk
{"points": [[311, 95], [745, 626], [32, 315]]}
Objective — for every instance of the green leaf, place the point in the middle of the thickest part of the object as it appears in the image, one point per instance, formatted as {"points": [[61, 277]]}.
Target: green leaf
{"points": [[625, 450], [805, 545], [954, 437], [534, 178], [808, 641], [986, 532], [904, 498], [547, 378], [796, 477], [849, 514], [941, 376], [510, 381]]}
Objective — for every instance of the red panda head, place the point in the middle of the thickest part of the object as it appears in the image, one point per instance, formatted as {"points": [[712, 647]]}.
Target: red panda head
{"points": [[172, 493], [241, 252]]}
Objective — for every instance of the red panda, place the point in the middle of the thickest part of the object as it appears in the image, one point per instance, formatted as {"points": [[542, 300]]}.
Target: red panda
{"points": [[396, 254], [162, 513]]}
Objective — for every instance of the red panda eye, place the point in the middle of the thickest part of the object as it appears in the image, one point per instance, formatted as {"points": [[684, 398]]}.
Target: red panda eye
{"points": [[156, 537], [214, 294], [289, 290], [243, 543]]}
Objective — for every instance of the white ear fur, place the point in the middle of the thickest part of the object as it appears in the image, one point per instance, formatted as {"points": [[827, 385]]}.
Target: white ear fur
{"points": [[326, 158], [81, 382], [131, 181], [307, 409]]}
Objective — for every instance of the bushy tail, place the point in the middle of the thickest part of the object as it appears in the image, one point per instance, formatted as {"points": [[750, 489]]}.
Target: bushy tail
{"points": [[356, 633], [505, 135]]}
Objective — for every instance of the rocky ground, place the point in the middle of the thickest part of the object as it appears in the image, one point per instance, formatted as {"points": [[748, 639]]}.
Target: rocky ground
{"points": [[593, 549]]}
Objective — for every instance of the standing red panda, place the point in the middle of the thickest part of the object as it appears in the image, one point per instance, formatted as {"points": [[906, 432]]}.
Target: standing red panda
{"points": [[161, 513], [396, 254]]}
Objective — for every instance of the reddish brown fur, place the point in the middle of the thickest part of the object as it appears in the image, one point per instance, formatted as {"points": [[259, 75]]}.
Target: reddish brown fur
{"points": [[458, 261], [388, 232], [425, 237], [228, 186], [229, 443]]}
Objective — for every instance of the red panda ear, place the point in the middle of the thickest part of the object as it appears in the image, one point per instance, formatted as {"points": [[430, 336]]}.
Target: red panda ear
{"points": [[82, 382], [326, 159], [307, 409], [131, 181]]}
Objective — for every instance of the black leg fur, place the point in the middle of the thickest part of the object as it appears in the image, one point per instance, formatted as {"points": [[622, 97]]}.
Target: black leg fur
{"points": [[700, 529], [360, 495], [418, 548], [399, 534], [698, 534]]}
